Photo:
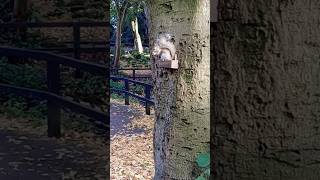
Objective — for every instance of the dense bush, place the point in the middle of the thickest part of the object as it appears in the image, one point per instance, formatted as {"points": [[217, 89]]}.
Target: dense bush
{"points": [[136, 59], [24, 75], [91, 89]]}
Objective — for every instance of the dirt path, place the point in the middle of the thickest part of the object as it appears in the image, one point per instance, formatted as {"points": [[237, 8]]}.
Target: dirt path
{"points": [[120, 116], [131, 148]]}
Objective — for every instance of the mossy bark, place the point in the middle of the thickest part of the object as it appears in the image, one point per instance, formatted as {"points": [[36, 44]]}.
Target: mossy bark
{"points": [[182, 105]]}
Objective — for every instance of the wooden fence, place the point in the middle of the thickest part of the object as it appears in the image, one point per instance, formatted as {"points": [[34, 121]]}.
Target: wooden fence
{"points": [[55, 100], [76, 43], [126, 91], [133, 70]]}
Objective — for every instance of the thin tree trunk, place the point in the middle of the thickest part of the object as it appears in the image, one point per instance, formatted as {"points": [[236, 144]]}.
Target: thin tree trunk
{"points": [[121, 15], [136, 35], [21, 8], [117, 45], [182, 98]]}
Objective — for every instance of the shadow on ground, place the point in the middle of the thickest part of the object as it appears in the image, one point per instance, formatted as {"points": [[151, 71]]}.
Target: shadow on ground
{"points": [[30, 157], [120, 116]]}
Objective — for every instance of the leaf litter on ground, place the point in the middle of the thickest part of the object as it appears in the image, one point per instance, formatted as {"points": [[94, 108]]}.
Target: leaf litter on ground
{"points": [[131, 156]]}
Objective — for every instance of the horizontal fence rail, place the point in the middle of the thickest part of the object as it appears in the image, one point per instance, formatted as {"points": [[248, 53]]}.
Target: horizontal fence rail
{"points": [[47, 56], [55, 101], [147, 91], [134, 70], [74, 46], [77, 107]]}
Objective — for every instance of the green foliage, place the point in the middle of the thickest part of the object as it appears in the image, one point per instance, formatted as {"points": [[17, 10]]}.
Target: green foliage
{"points": [[203, 163], [138, 89], [33, 40], [116, 96], [16, 106], [90, 89], [134, 9], [34, 14], [136, 59], [59, 9], [24, 75], [116, 85]]}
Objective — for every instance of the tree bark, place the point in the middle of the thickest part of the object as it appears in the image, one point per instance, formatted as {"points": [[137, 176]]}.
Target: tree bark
{"points": [[267, 85], [21, 8], [182, 105], [121, 11], [136, 35]]}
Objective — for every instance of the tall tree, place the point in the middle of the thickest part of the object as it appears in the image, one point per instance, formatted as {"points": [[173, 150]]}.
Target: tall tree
{"points": [[267, 84], [120, 8], [182, 105], [136, 8], [136, 35]]}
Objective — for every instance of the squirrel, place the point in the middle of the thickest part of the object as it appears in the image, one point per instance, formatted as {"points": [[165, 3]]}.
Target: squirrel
{"points": [[164, 47]]}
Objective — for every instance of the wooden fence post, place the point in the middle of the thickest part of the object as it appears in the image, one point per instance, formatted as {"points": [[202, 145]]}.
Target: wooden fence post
{"points": [[147, 92], [76, 46], [53, 117], [126, 83], [134, 74]]}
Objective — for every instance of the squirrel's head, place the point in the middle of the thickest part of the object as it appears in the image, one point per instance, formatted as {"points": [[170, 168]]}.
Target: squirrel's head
{"points": [[166, 37]]}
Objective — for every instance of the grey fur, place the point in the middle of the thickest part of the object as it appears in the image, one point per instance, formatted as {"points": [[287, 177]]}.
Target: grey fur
{"points": [[164, 47]]}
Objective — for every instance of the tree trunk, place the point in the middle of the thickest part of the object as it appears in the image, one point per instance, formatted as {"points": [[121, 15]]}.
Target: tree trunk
{"points": [[121, 13], [267, 84], [182, 105], [21, 8], [118, 44], [136, 35]]}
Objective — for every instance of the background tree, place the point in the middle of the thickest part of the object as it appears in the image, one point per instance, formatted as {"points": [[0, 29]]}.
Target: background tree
{"points": [[21, 8], [267, 84], [182, 105], [136, 8], [118, 8], [21, 12], [132, 8]]}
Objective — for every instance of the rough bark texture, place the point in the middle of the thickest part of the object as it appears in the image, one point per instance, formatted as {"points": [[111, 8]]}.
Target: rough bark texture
{"points": [[267, 89], [181, 96]]}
